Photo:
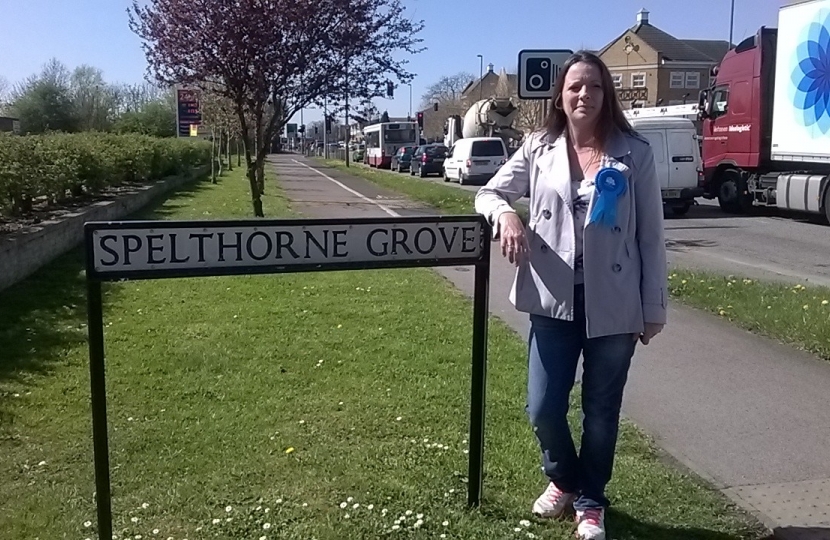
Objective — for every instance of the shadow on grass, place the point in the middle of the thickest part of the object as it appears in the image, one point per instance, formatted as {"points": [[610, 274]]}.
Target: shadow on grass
{"points": [[45, 314], [622, 525]]}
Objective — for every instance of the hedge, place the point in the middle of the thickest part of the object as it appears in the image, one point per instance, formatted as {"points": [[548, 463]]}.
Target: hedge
{"points": [[57, 167]]}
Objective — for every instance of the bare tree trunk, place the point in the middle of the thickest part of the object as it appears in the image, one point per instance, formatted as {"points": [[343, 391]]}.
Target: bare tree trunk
{"points": [[219, 153], [238, 154], [228, 149], [260, 158], [212, 156], [256, 198], [260, 171]]}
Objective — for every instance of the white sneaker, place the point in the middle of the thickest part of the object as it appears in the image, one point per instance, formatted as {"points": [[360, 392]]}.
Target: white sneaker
{"points": [[590, 524], [553, 503]]}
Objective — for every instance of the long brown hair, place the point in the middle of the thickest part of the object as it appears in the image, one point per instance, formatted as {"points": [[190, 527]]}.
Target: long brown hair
{"points": [[611, 115]]}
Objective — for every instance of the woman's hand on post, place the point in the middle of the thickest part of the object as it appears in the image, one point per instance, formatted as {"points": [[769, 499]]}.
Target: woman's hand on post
{"points": [[514, 244]]}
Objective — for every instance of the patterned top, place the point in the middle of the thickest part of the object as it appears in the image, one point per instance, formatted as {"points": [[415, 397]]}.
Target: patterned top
{"points": [[581, 191]]}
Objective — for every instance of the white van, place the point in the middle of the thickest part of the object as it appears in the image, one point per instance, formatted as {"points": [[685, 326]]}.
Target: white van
{"points": [[677, 157], [474, 160]]}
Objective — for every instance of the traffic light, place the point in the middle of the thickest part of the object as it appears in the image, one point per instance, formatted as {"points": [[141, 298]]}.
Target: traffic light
{"points": [[390, 89], [420, 119], [328, 124], [301, 129], [435, 107], [315, 130]]}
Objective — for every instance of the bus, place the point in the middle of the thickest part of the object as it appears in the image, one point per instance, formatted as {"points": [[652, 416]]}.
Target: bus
{"points": [[384, 139]]}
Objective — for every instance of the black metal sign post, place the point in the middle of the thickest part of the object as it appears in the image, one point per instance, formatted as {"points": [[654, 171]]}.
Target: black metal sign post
{"points": [[173, 249]]}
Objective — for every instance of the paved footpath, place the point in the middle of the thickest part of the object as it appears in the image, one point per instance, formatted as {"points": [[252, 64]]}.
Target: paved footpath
{"points": [[747, 414]]}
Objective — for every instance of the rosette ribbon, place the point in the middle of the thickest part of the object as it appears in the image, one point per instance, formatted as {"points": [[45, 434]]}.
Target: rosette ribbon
{"points": [[611, 184]]}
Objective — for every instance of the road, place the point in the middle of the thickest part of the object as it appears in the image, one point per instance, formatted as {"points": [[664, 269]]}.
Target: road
{"points": [[764, 244]]}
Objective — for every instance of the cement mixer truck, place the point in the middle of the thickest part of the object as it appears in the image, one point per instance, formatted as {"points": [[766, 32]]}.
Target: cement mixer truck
{"points": [[492, 117]]}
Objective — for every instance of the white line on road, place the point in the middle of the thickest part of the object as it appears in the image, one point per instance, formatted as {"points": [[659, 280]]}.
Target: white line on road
{"points": [[350, 190]]}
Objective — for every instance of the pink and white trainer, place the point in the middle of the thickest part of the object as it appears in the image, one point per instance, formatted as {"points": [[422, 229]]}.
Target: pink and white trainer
{"points": [[553, 503], [590, 524]]}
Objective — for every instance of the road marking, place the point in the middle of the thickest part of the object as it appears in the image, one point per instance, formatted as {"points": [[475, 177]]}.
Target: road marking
{"points": [[350, 190]]}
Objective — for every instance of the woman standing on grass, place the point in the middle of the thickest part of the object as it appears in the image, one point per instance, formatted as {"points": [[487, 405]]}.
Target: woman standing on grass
{"points": [[591, 272]]}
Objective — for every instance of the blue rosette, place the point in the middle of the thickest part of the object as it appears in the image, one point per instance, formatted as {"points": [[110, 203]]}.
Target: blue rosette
{"points": [[611, 184]]}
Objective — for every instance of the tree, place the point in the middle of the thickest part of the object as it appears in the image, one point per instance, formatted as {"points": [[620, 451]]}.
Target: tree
{"points": [[272, 58], [5, 95], [218, 115], [156, 118], [134, 97], [44, 102], [366, 113], [94, 102], [446, 91], [531, 115]]}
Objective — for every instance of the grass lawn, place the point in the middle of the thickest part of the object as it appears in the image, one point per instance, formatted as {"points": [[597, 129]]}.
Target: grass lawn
{"points": [[796, 315], [799, 316], [305, 406], [446, 198]]}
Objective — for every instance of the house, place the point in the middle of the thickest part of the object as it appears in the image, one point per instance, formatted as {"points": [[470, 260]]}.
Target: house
{"points": [[651, 67], [487, 86], [7, 123]]}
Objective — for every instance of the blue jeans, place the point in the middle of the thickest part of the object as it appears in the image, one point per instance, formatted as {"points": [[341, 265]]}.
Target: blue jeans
{"points": [[554, 349]]}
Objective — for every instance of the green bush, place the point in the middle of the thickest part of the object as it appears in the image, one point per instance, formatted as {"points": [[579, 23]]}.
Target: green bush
{"points": [[57, 166]]}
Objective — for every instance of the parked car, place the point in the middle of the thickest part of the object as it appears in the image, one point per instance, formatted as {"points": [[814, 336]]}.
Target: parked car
{"points": [[428, 159], [402, 158], [475, 160]]}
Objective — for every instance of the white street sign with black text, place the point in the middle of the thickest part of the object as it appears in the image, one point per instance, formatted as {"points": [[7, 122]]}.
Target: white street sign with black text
{"points": [[136, 249]]}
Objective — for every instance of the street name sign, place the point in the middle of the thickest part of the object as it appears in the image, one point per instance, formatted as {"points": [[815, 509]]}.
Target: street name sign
{"points": [[126, 250]]}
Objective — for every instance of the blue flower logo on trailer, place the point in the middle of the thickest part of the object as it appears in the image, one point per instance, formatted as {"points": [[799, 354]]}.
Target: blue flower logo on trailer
{"points": [[811, 76]]}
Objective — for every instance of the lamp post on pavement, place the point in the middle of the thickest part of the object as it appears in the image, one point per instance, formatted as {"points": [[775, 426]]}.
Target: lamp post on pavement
{"points": [[731, 22], [409, 116], [347, 135], [480, 76]]}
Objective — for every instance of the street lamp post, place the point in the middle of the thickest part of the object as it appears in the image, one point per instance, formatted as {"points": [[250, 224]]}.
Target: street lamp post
{"points": [[480, 77], [731, 21], [348, 135], [409, 116]]}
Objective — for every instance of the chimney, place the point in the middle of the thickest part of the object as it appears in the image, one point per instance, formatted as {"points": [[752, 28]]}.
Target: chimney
{"points": [[490, 68], [642, 16]]}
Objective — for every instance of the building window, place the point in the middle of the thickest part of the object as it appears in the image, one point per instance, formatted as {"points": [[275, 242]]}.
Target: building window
{"points": [[638, 80], [692, 79], [678, 79], [617, 78]]}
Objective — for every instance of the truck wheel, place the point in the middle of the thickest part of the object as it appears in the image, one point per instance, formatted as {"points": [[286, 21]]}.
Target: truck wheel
{"points": [[827, 204], [681, 210], [730, 193]]}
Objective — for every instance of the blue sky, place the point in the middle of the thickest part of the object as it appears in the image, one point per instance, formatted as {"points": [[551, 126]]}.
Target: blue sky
{"points": [[95, 32]]}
